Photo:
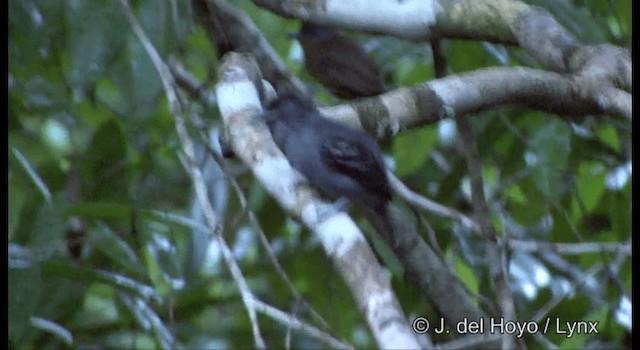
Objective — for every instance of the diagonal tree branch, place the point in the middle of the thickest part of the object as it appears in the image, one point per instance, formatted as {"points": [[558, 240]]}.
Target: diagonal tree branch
{"points": [[343, 242]]}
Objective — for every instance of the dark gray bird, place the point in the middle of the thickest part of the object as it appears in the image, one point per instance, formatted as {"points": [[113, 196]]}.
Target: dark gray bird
{"points": [[339, 63], [338, 161]]}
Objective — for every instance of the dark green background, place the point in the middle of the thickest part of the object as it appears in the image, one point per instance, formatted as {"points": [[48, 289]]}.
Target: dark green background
{"points": [[87, 115]]}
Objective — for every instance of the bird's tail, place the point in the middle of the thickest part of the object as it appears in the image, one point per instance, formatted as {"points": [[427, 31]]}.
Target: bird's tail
{"points": [[381, 220]]}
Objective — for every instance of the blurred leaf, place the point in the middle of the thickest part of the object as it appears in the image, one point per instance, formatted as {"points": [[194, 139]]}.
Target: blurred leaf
{"points": [[113, 96], [590, 184], [43, 94], [609, 135], [101, 210], [165, 268], [516, 195], [167, 217], [623, 12], [44, 190], [53, 328], [116, 248], [95, 36], [105, 171], [617, 205], [123, 282], [549, 150], [36, 29], [411, 149], [145, 80], [464, 56], [98, 308], [466, 274], [47, 230], [407, 73], [23, 296], [532, 209], [564, 228], [16, 203], [129, 340], [578, 20], [149, 320]]}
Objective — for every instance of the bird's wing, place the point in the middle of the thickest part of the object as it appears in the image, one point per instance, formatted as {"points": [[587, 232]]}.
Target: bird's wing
{"points": [[354, 159]]}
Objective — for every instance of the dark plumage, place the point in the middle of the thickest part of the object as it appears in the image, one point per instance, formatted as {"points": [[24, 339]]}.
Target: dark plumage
{"points": [[336, 160], [339, 63]]}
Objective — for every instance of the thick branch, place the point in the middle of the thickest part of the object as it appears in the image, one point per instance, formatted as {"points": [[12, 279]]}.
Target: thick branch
{"points": [[570, 248], [406, 19], [342, 240], [596, 68], [461, 94]]}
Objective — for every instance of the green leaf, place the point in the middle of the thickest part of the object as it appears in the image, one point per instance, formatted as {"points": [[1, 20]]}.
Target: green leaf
{"points": [[411, 149], [101, 210], [149, 320], [16, 201], [53, 328], [590, 183], [99, 308], [24, 291], [617, 205], [166, 217], [532, 208], [609, 135], [93, 40], [33, 174], [515, 194], [165, 268], [145, 80], [578, 20], [65, 269], [623, 12], [116, 248], [550, 146], [42, 93], [465, 56], [105, 164], [466, 275], [406, 72], [49, 226]]}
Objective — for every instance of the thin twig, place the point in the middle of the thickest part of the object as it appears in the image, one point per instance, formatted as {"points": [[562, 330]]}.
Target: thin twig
{"points": [[33, 174], [194, 171], [297, 324], [570, 248], [190, 83], [496, 257], [431, 206], [195, 88]]}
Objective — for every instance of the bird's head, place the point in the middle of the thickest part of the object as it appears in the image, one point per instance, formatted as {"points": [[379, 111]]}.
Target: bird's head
{"points": [[311, 32], [289, 105]]}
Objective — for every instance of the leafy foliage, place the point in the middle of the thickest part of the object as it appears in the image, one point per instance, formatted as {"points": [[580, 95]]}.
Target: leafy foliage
{"points": [[105, 247]]}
